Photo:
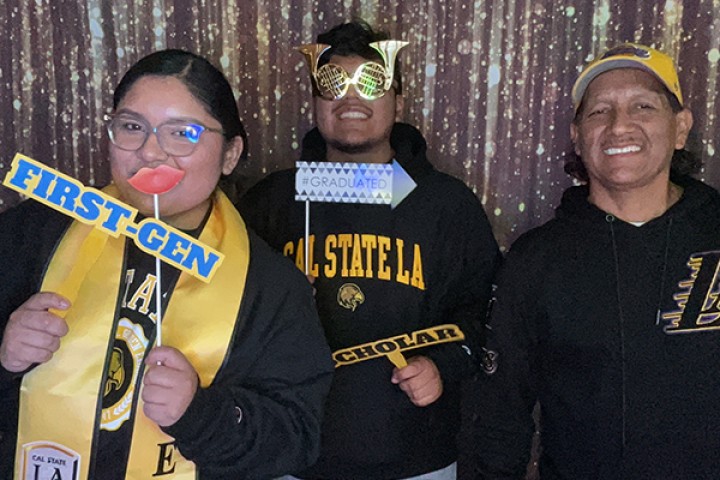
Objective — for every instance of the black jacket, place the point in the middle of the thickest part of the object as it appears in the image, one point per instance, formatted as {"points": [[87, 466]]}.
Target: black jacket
{"points": [[277, 370], [438, 234], [614, 329]]}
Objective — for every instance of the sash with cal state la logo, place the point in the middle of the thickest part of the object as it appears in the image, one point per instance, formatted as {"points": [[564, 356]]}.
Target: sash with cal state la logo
{"points": [[61, 400]]}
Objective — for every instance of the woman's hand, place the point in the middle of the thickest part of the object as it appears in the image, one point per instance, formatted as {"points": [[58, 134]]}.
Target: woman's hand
{"points": [[170, 383], [33, 333]]}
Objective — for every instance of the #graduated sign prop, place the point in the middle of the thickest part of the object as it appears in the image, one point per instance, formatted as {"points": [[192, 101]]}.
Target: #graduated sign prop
{"points": [[375, 184], [381, 184]]}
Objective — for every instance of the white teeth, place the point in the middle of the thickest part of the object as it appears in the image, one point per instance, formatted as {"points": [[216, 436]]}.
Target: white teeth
{"points": [[353, 115], [619, 151]]}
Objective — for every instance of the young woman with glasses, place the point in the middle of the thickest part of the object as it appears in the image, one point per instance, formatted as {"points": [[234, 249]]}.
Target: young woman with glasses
{"points": [[235, 390]]}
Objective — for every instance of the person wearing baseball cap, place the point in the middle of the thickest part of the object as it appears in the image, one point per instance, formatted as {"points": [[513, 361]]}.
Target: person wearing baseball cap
{"points": [[609, 314], [630, 55]]}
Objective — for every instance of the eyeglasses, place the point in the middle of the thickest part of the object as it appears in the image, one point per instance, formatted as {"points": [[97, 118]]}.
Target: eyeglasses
{"points": [[368, 80], [176, 137]]}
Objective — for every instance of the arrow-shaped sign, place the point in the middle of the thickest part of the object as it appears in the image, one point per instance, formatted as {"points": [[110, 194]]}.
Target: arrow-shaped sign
{"points": [[371, 183]]}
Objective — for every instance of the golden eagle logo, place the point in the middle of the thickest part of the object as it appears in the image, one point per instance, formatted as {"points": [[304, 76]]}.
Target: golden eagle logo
{"points": [[122, 374], [350, 296], [116, 372]]}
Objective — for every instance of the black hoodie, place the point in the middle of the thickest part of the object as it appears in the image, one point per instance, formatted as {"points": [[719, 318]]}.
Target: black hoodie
{"points": [[276, 372], [614, 329], [440, 238]]}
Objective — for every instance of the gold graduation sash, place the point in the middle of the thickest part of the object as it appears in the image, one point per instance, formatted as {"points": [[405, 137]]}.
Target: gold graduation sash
{"points": [[61, 400]]}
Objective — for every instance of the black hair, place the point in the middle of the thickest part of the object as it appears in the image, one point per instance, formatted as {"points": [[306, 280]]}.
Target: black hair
{"points": [[205, 82], [354, 38], [684, 162]]}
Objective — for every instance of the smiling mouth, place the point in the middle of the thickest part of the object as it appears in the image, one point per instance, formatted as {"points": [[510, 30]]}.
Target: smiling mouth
{"points": [[621, 150], [353, 115]]}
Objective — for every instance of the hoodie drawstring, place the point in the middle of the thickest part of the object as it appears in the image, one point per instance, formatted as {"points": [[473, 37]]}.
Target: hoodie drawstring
{"points": [[610, 219], [621, 319]]}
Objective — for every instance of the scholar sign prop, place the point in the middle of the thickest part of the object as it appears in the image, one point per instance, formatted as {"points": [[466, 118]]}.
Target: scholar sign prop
{"points": [[393, 347]]}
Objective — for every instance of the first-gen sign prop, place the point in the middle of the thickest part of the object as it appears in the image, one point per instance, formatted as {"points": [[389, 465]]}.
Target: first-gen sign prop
{"points": [[94, 207]]}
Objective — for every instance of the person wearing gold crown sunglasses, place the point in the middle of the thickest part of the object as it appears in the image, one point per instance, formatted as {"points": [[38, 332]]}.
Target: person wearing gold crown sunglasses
{"points": [[382, 272], [608, 315]]}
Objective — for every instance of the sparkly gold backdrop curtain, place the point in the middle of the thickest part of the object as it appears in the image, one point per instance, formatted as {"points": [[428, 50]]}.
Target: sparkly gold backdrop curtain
{"points": [[487, 80]]}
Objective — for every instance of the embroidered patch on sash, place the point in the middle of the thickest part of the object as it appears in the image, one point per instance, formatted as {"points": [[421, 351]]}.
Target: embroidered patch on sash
{"points": [[49, 460], [127, 355]]}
